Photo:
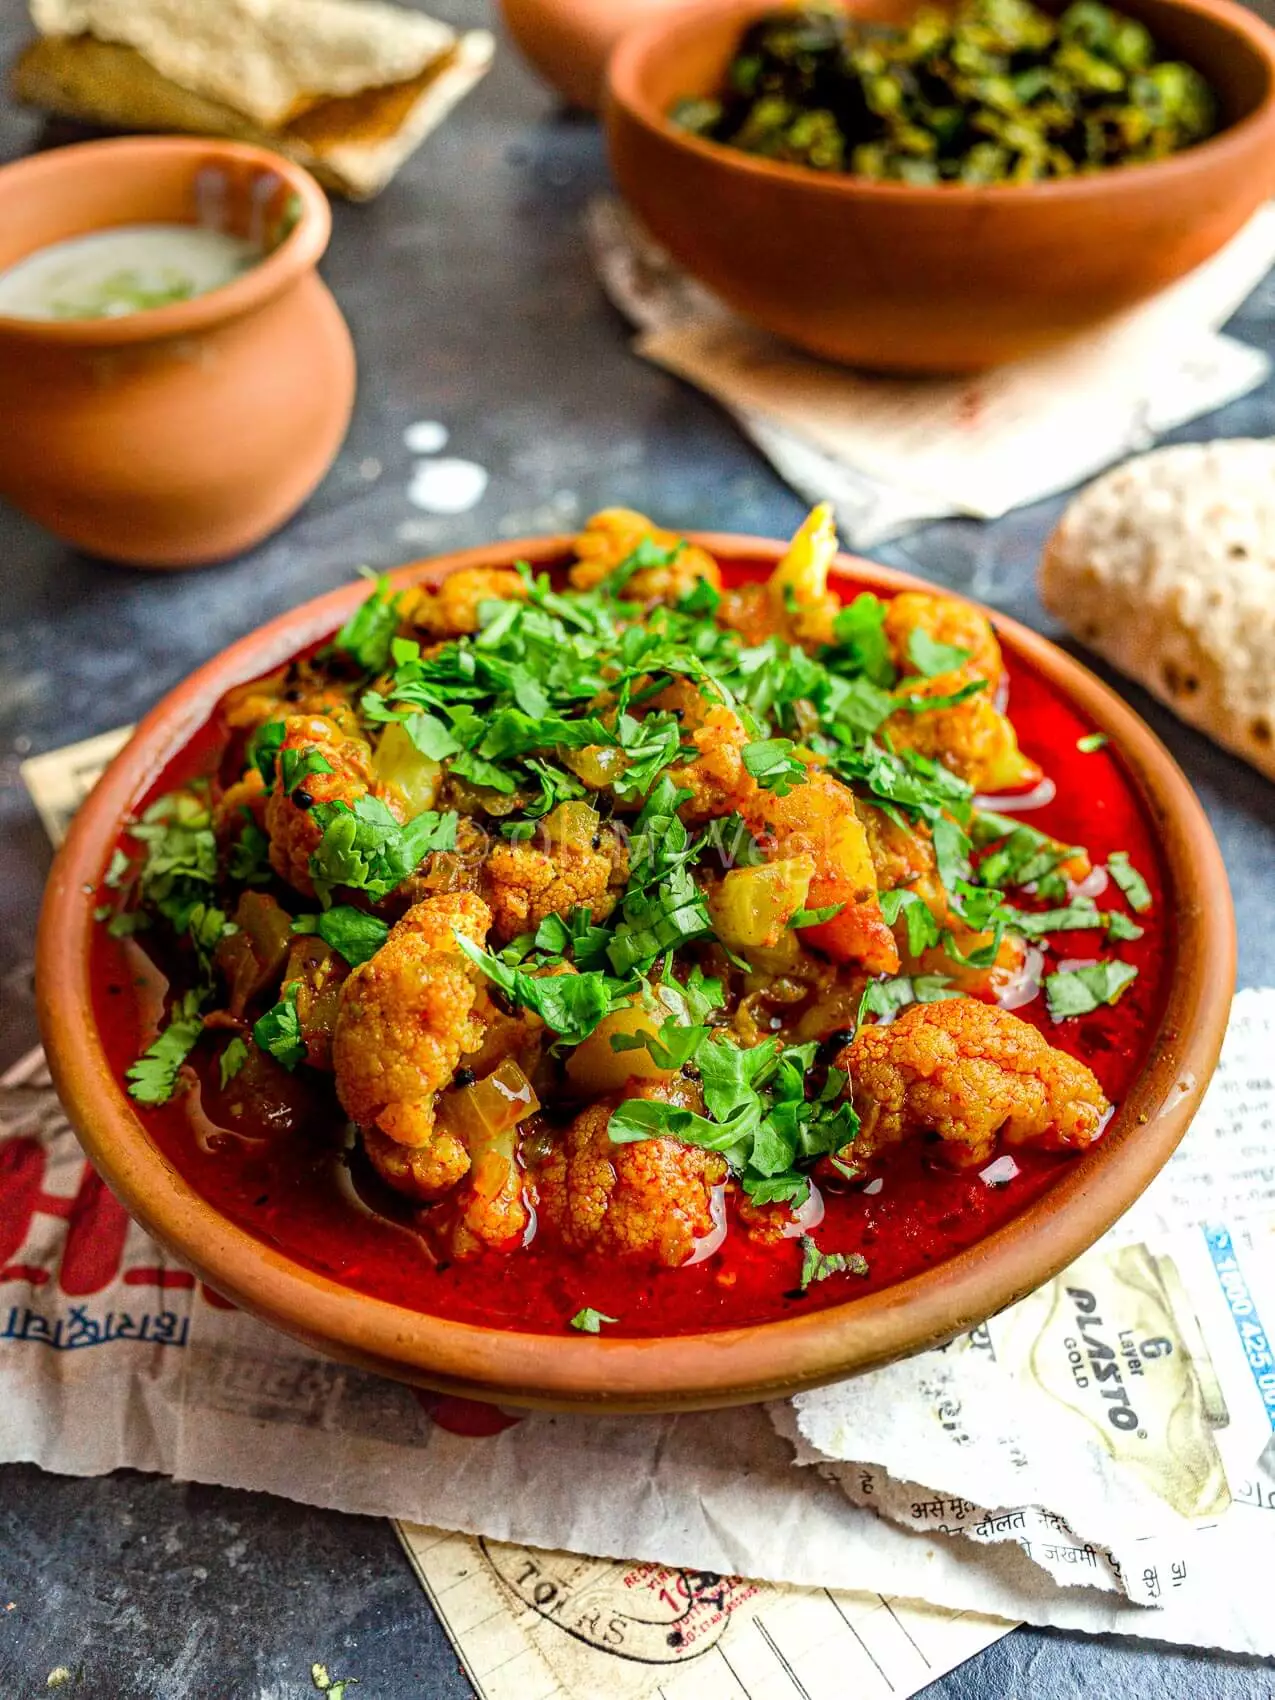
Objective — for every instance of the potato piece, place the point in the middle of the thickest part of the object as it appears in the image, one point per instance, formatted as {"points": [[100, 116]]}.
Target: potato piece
{"points": [[595, 1068], [752, 906]]}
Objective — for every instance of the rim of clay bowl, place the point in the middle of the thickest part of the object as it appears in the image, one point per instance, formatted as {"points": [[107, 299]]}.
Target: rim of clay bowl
{"points": [[300, 250], [685, 1372], [634, 51]]}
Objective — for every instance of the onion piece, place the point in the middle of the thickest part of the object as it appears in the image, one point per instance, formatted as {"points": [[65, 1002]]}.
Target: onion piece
{"points": [[482, 1113], [1024, 984], [1000, 1172], [1018, 802], [876, 1186], [710, 1242], [1094, 884]]}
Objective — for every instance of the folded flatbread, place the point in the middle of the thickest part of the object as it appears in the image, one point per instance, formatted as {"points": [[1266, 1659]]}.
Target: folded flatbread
{"points": [[347, 88], [1166, 567]]}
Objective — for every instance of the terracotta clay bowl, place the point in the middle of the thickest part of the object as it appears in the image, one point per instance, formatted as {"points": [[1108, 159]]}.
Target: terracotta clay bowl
{"points": [[688, 1371], [187, 433], [897, 277], [569, 41]]}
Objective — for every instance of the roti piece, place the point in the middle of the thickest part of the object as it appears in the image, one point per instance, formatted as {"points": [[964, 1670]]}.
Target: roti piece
{"points": [[1166, 567], [270, 60], [352, 144]]}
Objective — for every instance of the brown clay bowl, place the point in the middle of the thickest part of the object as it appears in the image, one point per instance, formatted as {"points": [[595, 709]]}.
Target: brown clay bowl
{"points": [[689, 1371], [897, 277], [569, 41], [186, 433]]}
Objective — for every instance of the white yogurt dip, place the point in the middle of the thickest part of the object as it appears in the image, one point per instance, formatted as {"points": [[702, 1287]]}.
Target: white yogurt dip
{"points": [[126, 270]]}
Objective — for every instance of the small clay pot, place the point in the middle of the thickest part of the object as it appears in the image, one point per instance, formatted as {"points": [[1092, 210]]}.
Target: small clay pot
{"points": [[187, 433], [950, 278], [569, 41]]}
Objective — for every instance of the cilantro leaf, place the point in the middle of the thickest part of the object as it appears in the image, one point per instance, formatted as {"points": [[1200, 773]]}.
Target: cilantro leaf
{"points": [[232, 1060], [153, 1077], [365, 849], [859, 631], [117, 869], [431, 736], [296, 765], [885, 998], [818, 1265], [670, 1048], [571, 1005], [773, 765], [367, 635], [1129, 880], [588, 1321], [1079, 991], [922, 928], [930, 657], [815, 917], [249, 859], [278, 1032], [263, 749], [351, 932]]}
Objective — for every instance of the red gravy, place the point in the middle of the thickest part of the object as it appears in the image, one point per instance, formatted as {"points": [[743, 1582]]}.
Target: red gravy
{"points": [[301, 1195]]}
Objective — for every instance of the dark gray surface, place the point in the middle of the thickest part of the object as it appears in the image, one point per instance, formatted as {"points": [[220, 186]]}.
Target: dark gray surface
{"points": [[471, 302]]}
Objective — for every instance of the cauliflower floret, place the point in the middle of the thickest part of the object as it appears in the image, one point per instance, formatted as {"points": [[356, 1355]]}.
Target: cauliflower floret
{"points": [[295, 689], [406, 1018], [572, 863], [970, 1073], [294, 833], [651, 1200], [611, 536], [717, 779], [451, 610], [973, 738]]}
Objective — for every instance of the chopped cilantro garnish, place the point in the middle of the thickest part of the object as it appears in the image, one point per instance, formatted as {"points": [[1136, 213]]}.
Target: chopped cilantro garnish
{"points": [[1092, 741], [773, 765], [570, 1004], [431, 736], [365, 849], [278, 1032], [353, 933], [1129, 880], [126, 923], [922, 928], [859, 631], [815, 917], [367, 635], [885, 998], [249, 861], [263, 749], [117, 869], [1079, 991], [759, 1116], [930, 657], [232, 1060], [296, 765], [588, 1321], [153, 1077], [818, 1265]]}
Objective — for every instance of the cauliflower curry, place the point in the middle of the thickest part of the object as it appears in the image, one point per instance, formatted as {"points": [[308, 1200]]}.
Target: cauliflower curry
{"points": [[642, 946]]}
